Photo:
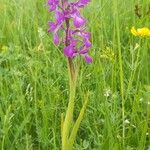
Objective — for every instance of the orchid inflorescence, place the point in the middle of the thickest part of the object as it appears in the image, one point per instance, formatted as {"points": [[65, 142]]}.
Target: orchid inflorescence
{"points": [[68, 18]]}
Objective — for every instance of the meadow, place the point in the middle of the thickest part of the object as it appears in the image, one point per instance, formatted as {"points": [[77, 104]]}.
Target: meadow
{"points": [[34, 78]]}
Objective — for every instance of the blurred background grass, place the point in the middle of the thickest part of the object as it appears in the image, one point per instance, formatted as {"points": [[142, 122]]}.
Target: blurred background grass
{"points": [[33, 78]]}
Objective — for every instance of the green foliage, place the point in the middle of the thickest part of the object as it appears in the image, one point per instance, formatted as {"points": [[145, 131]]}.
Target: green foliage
{"points": [[34, 80]]}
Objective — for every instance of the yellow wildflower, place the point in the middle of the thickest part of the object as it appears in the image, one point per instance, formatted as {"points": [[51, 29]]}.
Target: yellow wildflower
{"points": [[108, 54], [143, 32], [4, 49]]}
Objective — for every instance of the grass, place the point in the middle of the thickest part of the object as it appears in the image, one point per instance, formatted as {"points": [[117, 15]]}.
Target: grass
{"points": [[34, 80]]}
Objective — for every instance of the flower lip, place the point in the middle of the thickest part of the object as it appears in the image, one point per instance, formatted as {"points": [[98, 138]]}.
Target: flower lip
{"points": [[52, 26], [53, 4], [87, 43], [69, 51], [88, 59], [60, 17], [79, 21], [56, 39]]}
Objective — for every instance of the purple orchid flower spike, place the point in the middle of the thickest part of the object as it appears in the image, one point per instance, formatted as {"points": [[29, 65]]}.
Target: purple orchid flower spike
{"points": [[77, 39]]}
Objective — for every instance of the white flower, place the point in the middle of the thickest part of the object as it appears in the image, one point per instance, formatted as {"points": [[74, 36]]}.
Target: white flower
{"points": [[107, 92], [126, 121], [41, 32]]}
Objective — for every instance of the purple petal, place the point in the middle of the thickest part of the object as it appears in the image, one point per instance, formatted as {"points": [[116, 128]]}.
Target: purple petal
{"points": [[87, 35], [73, 42], [87, 43], [88, 59], [56, 39], [53, 4], [83, 51], [52, 7], [52, 26], [79, 21], [69, 51], [60, 17], [82, 3]]}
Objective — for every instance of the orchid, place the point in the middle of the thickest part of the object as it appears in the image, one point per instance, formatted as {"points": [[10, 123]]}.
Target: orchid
{"points": [[69, 20], [75, 32]]}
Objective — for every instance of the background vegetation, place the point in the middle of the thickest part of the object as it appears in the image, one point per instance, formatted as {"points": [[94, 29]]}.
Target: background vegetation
{"points": [[33, 78]]}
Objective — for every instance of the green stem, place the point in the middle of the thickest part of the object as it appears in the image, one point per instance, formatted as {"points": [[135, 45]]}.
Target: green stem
{"points": [[69, 113], [77, 124], [121, 72]]}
